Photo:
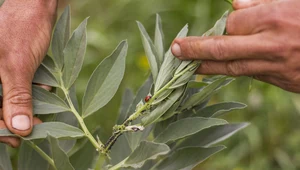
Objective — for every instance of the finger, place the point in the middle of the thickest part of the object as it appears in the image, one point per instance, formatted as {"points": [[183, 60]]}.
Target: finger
{"points": [[17, 101], [279, 83], [11, 141], [237, 68], [1, 113], [248, 21], [242, 4], [224, 48]]}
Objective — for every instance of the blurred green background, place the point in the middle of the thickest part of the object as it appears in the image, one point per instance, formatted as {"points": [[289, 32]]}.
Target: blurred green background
{"points": [[272, 142]]}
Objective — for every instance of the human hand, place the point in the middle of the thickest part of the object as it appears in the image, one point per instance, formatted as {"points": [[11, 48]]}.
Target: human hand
{"points": [[263, 41], [25, 33]]}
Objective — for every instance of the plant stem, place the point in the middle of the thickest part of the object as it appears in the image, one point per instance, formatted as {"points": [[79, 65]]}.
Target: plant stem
{"points": [[98, 145], [146, 106], [118, 166], [42, 153]]}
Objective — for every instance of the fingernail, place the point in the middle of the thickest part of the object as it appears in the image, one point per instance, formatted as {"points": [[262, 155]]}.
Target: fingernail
{"points": [[21, 122], [176, 50]]}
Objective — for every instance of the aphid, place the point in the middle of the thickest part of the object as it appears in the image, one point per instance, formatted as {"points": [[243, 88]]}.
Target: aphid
{"points": [[147, 98]]}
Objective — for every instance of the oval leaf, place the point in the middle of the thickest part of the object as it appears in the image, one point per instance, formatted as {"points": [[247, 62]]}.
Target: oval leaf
{"points": [[186, 127], [44, 76], [145, 151], [55, 129], [60, 158], [105, 80], [150, 51], [188, 158], [60, 38], [212, 135], [45, 102], [159, 40], [74, 55], [219, 109]]}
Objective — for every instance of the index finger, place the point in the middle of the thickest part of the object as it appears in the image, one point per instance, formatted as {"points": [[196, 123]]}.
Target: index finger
{"points": [[225, 48]]}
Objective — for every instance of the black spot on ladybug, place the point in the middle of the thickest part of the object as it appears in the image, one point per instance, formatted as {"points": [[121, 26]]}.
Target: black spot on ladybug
{"points": [[147, 98]]}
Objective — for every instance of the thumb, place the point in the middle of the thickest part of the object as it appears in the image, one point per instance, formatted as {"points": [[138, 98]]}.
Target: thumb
{"points": [[242, 4], [17, 102]]}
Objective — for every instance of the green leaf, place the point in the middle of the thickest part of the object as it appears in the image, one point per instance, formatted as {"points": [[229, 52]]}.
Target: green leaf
{"points": [[187, 158], [127, 99], [60, 38], [186, 127], [203, 94], [150, 51], [159, 41], [196, 84], [29, 159], [44, 76], [168, 66], [145, 151], [212, 135], [163, 107], [45, 102], [60, 158], [183, 65], [5, 163], [84, 157], [219, 27], [74, 55], [105, 80], [219, 109], [55, 129], [162, 96]]}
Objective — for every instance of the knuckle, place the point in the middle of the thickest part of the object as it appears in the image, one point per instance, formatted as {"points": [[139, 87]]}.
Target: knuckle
{"points": [[235, 68], [218, 50], [19, 96]]}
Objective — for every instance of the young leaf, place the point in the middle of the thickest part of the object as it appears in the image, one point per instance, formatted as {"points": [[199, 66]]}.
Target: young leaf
{"points": [[219, 27], [29, 159], [196, 84], [163, 107], [105, 80], [55, 129], [150, 51], [203, 94], [159, 40], [182, 80], [45, 102], [60, 38], [169, 64], [60, 158], [126, 101], [74, 55], [188, 158], [5, 163], [212, 135], [219, 109], [145, 151], [186, 127], [44, 76], [162, 96]]}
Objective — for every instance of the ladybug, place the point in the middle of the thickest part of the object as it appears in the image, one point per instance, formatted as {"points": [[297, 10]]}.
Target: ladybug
{"points": [[147, 98]]}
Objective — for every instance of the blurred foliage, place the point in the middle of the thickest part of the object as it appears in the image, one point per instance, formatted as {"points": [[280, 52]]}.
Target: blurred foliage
{"points": [[270, 143]]}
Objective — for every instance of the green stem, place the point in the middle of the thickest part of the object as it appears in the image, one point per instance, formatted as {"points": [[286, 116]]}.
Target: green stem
{"points": [[98, 145], [42, 153]]}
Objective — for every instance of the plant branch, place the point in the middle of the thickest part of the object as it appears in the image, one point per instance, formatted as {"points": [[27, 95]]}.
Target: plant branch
{"points": [[120, 129], [42, 153]]}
